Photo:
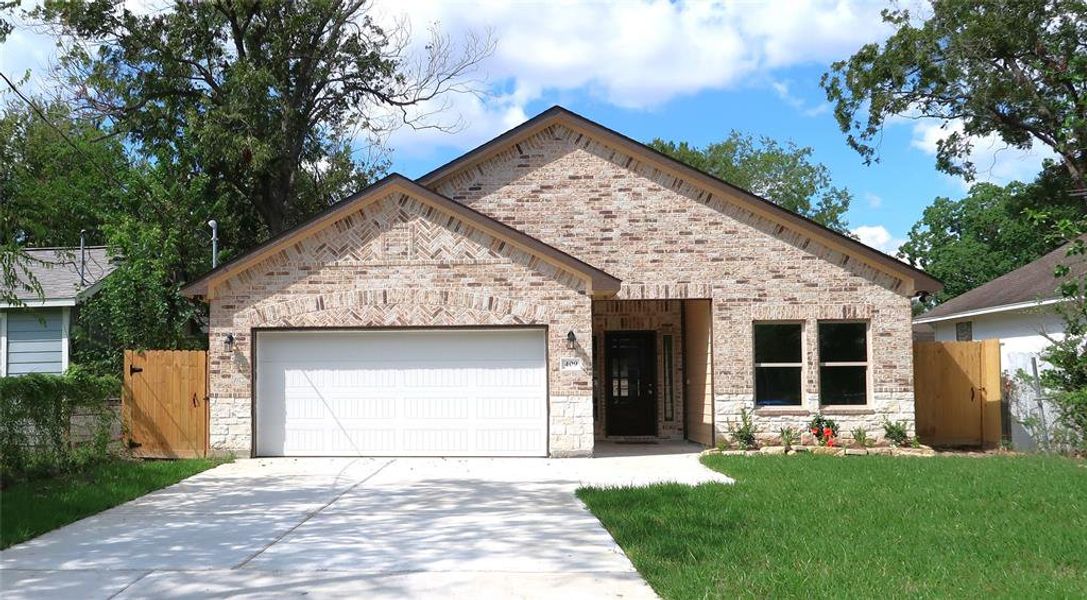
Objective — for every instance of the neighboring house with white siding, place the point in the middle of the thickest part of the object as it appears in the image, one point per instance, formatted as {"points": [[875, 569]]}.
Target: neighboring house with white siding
{"points": [[34, 332], [1019, 309]]}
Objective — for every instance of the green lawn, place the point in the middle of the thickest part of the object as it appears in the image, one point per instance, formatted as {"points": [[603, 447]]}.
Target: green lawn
{"points": [[29, 509], [860, 527]]}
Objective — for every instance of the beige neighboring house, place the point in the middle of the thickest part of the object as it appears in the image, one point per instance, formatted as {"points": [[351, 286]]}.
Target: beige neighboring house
{"points": [[559, 285], [34, 332]]}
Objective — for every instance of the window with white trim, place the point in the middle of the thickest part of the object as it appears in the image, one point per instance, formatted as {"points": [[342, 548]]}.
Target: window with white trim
{"points": [[843, 363], [779, 364]]}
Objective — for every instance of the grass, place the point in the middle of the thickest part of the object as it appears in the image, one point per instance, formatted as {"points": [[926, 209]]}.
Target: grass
{"points": [[814, 526], [31, 508]]}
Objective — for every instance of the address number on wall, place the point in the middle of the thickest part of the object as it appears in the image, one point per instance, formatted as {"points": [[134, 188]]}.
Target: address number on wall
{"points": [[569, 364]]}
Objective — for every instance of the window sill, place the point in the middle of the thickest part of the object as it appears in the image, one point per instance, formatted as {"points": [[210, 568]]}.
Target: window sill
{"points": [[782, 411], [848, 410]]}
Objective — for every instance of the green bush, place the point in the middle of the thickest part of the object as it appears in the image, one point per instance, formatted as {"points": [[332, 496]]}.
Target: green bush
{"points": [[860, 437], [897, 432], [35, 421], [789, 437], [744, 434]]}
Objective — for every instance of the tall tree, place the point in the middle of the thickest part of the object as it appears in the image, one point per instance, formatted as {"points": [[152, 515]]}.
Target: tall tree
{"points": [[59, 175], [264, 100], [250, 113], [969, 242], [784, 174], [1014, 68]]}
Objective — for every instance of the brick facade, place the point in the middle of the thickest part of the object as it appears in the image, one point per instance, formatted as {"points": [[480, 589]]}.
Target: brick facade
{"points": [[399, 262], [667, 238]]}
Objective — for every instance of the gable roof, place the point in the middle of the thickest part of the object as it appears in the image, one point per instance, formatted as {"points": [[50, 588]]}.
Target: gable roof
{"points": [[64, 275], [599, 281], [559, 115], [1033, 284]]}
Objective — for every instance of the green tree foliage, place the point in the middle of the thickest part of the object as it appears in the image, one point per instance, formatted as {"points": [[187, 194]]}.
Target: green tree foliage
{"points": [[969, 242], [263, 100], [161, 244], [247, 113], [784, 174], [52, 186], [1067, 380], [1014, 68], [58, 176], [63, 173]]}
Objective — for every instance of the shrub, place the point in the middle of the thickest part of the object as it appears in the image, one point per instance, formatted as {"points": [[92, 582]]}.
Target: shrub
{"points": [[744, 435], [35, 420], [825, 430], [897, 432], [860, 437], [789, 437]]}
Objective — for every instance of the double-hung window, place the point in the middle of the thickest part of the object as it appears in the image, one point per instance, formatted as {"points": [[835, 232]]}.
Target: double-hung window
{"points": [[843, 363], [779, 364]]}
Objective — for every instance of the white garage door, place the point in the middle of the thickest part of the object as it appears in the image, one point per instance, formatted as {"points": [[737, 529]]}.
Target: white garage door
{"points": [[402, 393]]}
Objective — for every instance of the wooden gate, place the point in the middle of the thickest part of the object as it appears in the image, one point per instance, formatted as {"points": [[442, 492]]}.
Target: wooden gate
{"points": [[165, 403], [957, 393]]}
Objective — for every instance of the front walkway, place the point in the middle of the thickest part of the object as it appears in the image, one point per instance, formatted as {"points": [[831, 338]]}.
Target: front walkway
{"points": [[375, 528]]}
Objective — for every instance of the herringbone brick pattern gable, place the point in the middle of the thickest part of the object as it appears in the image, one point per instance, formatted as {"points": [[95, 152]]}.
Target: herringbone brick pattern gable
{"points": [[396, 230]]}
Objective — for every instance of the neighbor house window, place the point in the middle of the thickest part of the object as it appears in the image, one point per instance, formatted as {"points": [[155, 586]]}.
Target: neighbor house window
{"points": [[669, 393], [778, 364], [843, 363], [964, 332]]}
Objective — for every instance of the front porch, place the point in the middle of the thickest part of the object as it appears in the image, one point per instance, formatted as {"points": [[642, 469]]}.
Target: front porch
{"points": [[652, 371]]}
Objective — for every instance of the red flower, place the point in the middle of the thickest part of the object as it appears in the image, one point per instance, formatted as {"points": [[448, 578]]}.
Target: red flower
{"points": [[815, 431], [830, 441], [828, 432]]}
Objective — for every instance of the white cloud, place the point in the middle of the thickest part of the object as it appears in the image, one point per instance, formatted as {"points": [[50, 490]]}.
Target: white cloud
{"points": [[636, 54], [781, 88], [873, 200], [879, 238], [994, 160]]}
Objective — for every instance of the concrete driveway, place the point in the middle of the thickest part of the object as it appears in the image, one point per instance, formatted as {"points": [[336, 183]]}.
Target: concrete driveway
{"points": [[375, 528]]}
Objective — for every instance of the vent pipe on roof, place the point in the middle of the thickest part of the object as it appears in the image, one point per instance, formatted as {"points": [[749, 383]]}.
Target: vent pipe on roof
{"points": [[214, 243], [82, 257]]}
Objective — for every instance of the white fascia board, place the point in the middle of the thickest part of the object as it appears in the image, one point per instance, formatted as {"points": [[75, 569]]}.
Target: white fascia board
{"points": [[988, 310], [47, 303]]}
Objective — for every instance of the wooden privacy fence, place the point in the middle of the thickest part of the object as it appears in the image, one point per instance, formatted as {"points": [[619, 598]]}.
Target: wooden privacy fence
{"points": [[957, 393], [164, 403]]}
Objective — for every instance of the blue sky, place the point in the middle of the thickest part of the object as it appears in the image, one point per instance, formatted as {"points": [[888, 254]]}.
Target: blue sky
{"points": [[684, 71], [692, 71]]}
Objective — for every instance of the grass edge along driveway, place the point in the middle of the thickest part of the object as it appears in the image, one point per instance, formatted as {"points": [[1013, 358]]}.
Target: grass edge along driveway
{"points": [[816, 526], [31, 508]]}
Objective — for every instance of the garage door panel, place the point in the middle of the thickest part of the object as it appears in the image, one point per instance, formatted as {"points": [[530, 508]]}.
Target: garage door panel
{"points": [[448, 393], [425, 408]]}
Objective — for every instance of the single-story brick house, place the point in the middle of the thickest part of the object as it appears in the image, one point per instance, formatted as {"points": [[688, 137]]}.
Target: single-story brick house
{"points": [[558, 285]]}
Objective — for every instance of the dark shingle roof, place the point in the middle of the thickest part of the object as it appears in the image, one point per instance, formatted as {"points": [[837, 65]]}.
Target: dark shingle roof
{"points": [[57, 272], [1033, 282]]}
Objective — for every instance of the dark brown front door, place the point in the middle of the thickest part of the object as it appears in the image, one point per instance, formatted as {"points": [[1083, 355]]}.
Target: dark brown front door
{"points": [[631, 380]]}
